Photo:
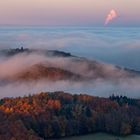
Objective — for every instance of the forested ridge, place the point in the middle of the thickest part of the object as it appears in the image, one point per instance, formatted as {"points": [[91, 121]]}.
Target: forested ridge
{"points": [[58, 114]]}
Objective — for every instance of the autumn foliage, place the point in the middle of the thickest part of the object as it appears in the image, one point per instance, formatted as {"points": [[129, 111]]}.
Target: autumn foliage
{"points": [[54, 115]]}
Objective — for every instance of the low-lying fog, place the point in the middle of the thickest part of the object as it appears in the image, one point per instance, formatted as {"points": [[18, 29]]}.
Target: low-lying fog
{"points": [[115, 46], [120, 84]]}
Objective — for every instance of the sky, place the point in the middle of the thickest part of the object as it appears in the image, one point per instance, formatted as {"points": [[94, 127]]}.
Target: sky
{"points": [[69, 12]]}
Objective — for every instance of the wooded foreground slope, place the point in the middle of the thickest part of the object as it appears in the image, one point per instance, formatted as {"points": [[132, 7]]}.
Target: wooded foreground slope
{"points": [[59, 114]]}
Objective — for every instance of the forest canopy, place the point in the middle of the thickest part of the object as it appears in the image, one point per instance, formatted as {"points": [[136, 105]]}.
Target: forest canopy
{"points": [[58, 114]]}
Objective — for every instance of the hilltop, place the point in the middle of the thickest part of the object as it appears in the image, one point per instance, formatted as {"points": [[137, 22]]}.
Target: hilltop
{"points": [[16, 51]]}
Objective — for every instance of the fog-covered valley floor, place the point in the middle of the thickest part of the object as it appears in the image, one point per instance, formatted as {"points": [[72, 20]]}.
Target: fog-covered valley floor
{"points": [[28, 71], [103, 61]]}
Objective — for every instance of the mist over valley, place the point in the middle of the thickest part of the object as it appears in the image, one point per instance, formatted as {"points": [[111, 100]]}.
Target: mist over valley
{"points": [[27, 71]]}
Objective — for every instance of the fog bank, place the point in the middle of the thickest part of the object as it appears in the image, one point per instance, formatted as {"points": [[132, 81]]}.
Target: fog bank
{"points": [[99, 83]]}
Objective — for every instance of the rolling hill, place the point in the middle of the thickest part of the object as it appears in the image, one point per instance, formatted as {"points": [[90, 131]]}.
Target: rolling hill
{"points": [[58, 65]]}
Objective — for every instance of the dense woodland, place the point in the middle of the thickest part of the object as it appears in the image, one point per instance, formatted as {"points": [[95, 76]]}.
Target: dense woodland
{"points": [[54, 115]]}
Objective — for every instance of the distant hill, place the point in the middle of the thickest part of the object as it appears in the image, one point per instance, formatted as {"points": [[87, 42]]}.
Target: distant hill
{"points": [[74, 68], [54, 115]]}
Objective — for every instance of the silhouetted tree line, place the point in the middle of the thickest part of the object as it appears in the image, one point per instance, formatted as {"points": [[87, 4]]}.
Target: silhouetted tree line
{"points": [[59, 114]]}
